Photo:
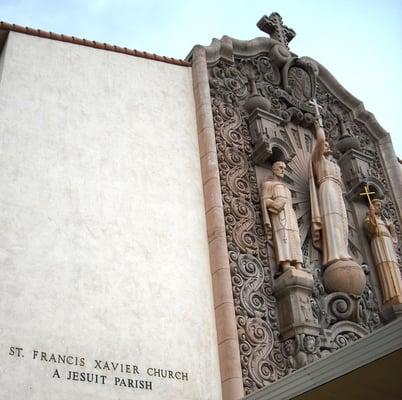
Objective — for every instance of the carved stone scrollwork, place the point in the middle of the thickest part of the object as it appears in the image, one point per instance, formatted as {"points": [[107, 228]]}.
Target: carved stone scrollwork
{"points": [[330, 309], [345, 332], [253, 301], [260, 335], [367, 310], [293, 289], [299, 77], [364, 159], [300, 351], [250, 136], [262, 361], [345, 338], [339, 306]]}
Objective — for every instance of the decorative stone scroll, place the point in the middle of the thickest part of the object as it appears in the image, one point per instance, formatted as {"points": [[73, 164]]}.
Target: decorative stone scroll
{"points": [[261, 102]]}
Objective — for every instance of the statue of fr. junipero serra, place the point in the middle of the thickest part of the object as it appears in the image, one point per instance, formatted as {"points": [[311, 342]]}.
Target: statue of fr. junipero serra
{"points": [[280, 219]]}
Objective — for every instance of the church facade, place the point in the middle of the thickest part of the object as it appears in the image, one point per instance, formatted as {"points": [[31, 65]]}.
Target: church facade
{"points": [[223, 227]]}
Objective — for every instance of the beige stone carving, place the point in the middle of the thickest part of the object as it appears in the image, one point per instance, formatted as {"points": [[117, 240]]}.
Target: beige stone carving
{"points": [[329, 223], [382, 239], [280, 219], [293, 289], [329, 218]]}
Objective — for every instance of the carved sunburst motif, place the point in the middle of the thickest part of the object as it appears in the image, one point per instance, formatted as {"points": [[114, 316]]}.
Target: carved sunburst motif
{"points": [[299, 147], [301, 141], [245, 156]]}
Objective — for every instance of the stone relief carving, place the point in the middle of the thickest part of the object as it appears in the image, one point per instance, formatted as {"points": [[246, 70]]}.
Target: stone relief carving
{"points": [[329, 309], [262, 113], [372, 173], [256, 306], [300, 351], [261, 358], [329, 220], [262, 362], [382, 236], [280, 219]]}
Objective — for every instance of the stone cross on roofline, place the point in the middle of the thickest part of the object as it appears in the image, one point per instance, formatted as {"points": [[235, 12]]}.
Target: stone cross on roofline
{"points": [[273, 25]]}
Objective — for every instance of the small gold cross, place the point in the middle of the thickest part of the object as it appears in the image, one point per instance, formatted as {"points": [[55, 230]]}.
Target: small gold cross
{"points": [[367, 194]]}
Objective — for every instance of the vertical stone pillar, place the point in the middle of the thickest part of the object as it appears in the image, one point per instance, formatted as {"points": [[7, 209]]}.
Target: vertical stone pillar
{"points": [[228, 343]]}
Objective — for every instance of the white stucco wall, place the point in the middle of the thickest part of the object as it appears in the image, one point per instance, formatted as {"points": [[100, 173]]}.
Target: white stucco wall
{"points": [[103, 250]]}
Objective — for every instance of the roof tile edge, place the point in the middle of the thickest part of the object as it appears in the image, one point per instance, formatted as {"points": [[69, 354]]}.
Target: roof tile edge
{"points": [[90, 43]]}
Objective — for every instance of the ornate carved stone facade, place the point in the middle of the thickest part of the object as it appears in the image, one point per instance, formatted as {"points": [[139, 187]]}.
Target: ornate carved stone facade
{"points": [[262, 112]]}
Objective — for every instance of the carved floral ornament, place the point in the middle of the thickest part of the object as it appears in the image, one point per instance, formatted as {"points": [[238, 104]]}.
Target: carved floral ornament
{"points": [[263, 112]]}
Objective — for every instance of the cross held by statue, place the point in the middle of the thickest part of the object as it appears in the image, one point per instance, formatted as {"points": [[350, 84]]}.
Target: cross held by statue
{"points": [[317, 110], [367, 194]]}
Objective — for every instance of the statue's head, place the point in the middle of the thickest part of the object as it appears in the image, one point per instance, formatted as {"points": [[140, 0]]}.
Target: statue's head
{"points": [[278, 169], [309, 343], [289, 347], [377, 203], [327, 148]]}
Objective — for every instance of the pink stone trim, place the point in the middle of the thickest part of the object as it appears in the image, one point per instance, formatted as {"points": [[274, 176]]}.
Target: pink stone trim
{"points": [[228, 342]]}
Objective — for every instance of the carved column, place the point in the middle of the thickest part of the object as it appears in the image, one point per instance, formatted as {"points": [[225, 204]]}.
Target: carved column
{"points": [[293, 290]]}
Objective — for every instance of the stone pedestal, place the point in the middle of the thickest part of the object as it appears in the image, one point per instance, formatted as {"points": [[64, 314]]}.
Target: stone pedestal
{"points": [[293, 290]]}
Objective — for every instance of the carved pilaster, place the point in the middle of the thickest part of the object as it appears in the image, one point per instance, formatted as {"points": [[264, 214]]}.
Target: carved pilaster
{"points": [[293, 291]]}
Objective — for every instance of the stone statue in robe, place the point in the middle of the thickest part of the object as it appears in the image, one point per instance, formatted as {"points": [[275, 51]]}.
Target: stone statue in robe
{"points": [[328, 211], [280, 219], [382, 239]]}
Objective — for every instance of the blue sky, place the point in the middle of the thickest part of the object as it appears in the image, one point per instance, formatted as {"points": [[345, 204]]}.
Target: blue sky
{"points": [[358, 41]]}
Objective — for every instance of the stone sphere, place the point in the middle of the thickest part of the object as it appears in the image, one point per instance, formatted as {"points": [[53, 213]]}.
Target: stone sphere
{"points": [[257, 101], [345, 276], [347, 142], [279, 55]]}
